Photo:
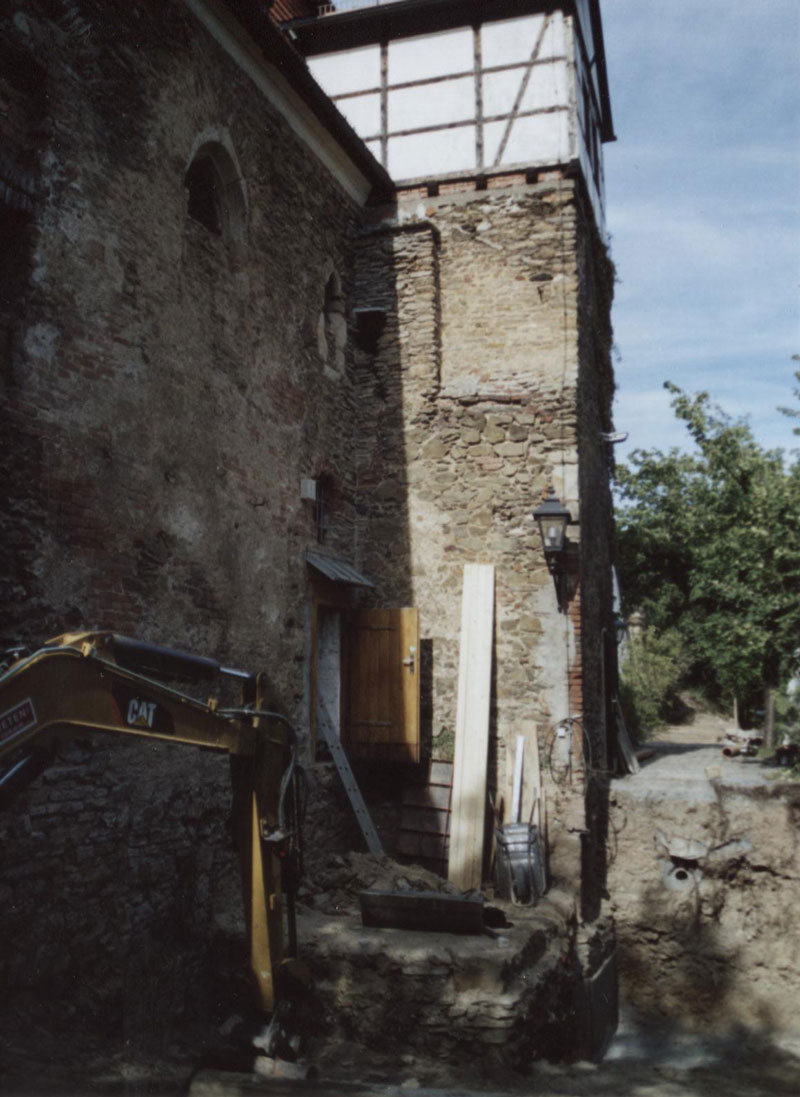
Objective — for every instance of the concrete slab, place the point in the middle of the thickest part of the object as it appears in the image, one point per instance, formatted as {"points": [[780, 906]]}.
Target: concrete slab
{"points": [[690, 771]]}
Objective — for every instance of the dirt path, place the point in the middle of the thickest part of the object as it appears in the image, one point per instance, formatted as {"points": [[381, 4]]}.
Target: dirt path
{"points": [[702, 727]]}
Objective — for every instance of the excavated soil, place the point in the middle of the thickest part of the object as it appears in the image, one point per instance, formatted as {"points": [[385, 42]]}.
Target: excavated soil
{"points": [[666, 1069], [708, 969], [704, 876]]}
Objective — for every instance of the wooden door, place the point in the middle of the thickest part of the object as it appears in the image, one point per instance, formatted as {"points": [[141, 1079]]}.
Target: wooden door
{"points": [[384, 685]]}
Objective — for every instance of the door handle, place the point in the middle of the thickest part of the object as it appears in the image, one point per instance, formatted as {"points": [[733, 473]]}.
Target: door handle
{"points": [[411, 660]]}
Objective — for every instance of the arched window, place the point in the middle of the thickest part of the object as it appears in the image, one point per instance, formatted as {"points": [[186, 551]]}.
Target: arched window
{"points": [[215, 197], [205, 194], [332, 328]]}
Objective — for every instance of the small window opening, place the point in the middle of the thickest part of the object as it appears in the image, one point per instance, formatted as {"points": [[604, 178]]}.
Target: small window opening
{"points": [[327, 503], [205, 197]]}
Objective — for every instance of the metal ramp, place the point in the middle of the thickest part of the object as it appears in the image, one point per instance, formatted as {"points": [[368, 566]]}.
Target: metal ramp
{"points": [[342, 764]]}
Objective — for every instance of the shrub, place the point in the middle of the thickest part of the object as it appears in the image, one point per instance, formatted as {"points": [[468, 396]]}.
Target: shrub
{"points": [[652, 670]]}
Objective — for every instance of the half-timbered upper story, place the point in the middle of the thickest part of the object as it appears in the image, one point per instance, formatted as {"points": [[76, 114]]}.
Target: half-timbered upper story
{"points": [[454, 89]]}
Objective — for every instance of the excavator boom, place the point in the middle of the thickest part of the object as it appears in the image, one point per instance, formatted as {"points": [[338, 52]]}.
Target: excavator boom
{"points": [[89, 682]]}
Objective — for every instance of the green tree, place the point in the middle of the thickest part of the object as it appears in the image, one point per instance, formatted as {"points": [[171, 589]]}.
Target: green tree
{"points": [[709, 545], [650, 679]]}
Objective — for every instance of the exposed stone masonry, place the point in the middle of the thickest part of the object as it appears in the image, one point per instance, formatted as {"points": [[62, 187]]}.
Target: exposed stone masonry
{"points": [[165, 390], [471, 402], [163, 395], [115, 882]]}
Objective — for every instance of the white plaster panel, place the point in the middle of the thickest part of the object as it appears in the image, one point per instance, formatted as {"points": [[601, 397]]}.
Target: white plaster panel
{"points": [[431, 104], [500, 90], [513, 40], [430, 154], [542, 139], [374, 147], [548, 86], [431, 55], [363, 112], [348, 70], [555, 654]]}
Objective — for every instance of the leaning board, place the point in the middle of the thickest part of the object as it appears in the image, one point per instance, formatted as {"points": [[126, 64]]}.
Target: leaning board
{"points": [[468, 818]]}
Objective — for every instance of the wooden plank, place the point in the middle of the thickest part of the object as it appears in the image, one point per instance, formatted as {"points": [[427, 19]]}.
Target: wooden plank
{"points": [[516, 797], [422, 910], [426, 820], [545, 841], [536, 779], [441, 773], [361, 810], [467, 823], [625, 751], [433, 796], [433, 847]]}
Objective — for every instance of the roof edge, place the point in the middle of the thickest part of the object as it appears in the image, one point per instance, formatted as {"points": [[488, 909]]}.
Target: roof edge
{"points": [[254, 20]]}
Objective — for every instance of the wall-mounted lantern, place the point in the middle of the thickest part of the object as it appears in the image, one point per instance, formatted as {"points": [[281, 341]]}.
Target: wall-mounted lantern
{"points": [[552, 518]]}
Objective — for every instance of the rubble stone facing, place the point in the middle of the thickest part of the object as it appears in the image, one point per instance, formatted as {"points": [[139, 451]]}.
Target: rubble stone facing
{"points": [[165, 391], [163, 394], [455, 997], [497, 341], [115, 879]]}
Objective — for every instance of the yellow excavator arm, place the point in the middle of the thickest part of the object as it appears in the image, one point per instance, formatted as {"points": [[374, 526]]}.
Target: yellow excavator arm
{"points": [[102, 682]]}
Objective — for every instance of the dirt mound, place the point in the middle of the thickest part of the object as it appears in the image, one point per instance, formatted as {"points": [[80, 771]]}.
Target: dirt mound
{"points": [[335, 887]]}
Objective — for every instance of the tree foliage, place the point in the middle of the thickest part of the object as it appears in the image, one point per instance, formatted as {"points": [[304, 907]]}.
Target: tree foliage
{"points": [[652, 674], [709, 545]]}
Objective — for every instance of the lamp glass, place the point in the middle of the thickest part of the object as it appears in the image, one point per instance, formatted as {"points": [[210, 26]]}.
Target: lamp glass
{"points": [[552, 530], [552, 518]]}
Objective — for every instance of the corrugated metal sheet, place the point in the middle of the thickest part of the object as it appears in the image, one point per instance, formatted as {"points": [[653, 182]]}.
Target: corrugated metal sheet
{"points": [[337, 570]]}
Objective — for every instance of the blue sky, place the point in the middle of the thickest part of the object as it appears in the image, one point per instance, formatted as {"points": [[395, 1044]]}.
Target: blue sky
{"points": [[703, 210]]}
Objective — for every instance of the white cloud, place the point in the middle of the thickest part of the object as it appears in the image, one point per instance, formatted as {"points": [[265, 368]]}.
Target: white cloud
{"points": [[648, 418], [702, 207]]}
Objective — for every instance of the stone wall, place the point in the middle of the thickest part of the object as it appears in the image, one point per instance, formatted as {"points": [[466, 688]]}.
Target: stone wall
{"points": [[116, 884], [471, 409], [473, 1002], [164, 390], [166, 387]]}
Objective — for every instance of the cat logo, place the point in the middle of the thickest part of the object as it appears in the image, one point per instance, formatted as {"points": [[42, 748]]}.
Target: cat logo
{"points": [[141, 713], [135, 711]]}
